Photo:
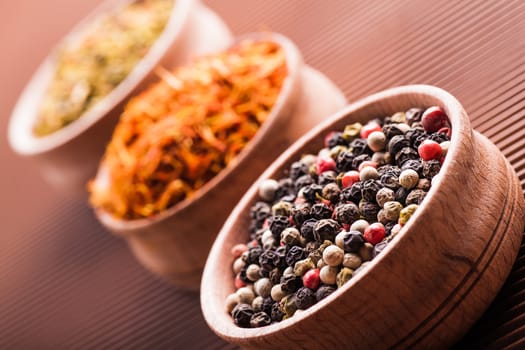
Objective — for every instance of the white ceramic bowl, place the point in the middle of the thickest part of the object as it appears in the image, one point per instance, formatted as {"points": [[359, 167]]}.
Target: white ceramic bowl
{"points": [[70, 156]]}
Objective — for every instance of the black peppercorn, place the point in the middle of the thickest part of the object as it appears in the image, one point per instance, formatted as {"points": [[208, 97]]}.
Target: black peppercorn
{"points": [[431, 168], [389, 169], [360, 159], [401, 195], [320, 211], [323, 292], [331, 192], [304, 298], [327, 177], [300, 213], [346, 213], [415, 197], [276, 314], [285, 189], [439, 137], [413, 115], [307, 229], [369, 210], [396, 144], [278, 224], [353, 241], [391, 130], [335, 138], [406, 154], [274, 275], [268, 260], [260, 319], [369, 190], [378, 248], [326, 229], [253, 255], [242, 274], [388, 227], [281, 251], [414, 164], [259, 212], [298, 169], [242, 315], [303, 181], [290, 283], [295, 254], [267, 304], [344, 161], [360, 146], [352, 193], [312, 192]]}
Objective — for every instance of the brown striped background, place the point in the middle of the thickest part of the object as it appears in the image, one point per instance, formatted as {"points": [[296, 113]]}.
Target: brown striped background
{"points": [[66, 283]]}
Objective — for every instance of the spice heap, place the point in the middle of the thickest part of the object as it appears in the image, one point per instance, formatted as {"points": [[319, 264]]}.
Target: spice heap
{"points": [[312, 231], [91, 66], [182, 131]]}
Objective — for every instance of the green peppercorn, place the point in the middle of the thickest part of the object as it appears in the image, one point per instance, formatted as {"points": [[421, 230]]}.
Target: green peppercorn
{"points": [[302, 266], [344, 276], [335, 151], [384, 195], [406, 213], [398, 117], [352, 261], [352, 131], [282, 208], [288, 306], [392, 210]]}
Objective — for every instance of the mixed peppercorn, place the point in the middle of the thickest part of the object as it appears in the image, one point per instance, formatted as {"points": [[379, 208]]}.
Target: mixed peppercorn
{"points": [[315, 229]]}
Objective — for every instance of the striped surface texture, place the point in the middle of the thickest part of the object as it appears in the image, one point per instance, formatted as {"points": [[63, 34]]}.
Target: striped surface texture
{"points": [[68, 284]]}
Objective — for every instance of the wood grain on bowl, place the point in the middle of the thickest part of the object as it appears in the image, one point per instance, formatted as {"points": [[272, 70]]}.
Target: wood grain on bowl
{"points": [[435, 278]]}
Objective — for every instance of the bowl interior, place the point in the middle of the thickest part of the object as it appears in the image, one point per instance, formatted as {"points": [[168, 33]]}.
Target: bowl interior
{"points": [[25, 113], [281, 109], [217, 280]]}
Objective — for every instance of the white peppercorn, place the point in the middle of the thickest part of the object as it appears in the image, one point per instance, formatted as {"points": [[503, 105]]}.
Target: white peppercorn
{"points": [[291, 236], [257, 303], [333, 255], [352, 260], [238, 265], [384, 195], [328, 274], [266, 236], [445, 145], [367, 173], [376, 141], [253, 272], [395, 230], [379, 158], [359, 225], [277, 293], [267, 189], [288, 271], [408, 178], [339, 239], [269, 243], [366, 251], [263, 287], [232, 301], [404, 127], [321, 264], [246, 295]]}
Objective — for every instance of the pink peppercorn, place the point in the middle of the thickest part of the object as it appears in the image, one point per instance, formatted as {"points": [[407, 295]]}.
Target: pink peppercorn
{"points": [[311, 279], [429, 150], [369, 128], [324, 164], [238, 282], [349, 178], [238, 249], [433, 119], [367, 163], [445, 130], [374, 233]]}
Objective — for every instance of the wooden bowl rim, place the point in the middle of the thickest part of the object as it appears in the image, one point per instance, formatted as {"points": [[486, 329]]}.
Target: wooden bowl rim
{"points": [[213, 309], [286, 97], [25, 112]]}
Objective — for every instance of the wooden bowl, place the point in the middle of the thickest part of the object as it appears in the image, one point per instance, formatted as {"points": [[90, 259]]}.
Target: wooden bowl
{"points": [[69, 157], [436, 277], [175, 243]]}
